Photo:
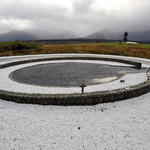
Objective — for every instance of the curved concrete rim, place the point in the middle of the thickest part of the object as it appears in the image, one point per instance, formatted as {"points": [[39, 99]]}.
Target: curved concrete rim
{"points": [[76, 99], [73, 57]]}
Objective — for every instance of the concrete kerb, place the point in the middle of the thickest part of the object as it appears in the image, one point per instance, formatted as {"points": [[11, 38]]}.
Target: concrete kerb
{"points": [[131, 62], [76, 99]]}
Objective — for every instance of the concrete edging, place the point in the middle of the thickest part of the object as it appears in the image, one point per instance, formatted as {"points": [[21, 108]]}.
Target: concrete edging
{"points": [[135, 63]]}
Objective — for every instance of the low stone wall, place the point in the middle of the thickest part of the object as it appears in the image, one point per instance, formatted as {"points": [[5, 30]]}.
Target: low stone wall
{"points": [[78, 99]]}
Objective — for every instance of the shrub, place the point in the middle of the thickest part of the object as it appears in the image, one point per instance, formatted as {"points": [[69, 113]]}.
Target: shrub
{"points": [[17, 46]]}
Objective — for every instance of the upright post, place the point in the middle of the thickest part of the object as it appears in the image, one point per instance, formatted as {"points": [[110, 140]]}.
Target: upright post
{"points": [[82, 86]]}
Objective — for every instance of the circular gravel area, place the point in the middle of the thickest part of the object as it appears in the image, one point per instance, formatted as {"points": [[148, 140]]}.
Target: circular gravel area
{"points": [[69, 74]]}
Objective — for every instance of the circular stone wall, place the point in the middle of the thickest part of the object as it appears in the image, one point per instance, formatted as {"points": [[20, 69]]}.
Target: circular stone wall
{"points": [[88, 98]]}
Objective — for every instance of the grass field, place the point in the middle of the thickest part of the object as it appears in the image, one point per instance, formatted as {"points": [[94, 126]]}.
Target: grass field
{"points": [[112, 48]]}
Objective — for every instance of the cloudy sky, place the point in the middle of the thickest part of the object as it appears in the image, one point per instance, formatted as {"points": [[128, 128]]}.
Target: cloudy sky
{"points": [[80, 17]]}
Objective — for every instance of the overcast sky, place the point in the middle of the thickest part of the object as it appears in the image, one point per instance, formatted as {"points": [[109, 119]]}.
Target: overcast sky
{"points": [[78, 16]]}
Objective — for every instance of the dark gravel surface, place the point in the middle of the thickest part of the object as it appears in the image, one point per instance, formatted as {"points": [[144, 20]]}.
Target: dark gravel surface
{"points": [[67, 74]]}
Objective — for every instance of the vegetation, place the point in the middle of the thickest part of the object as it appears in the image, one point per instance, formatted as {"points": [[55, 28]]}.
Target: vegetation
{"points": [[112, 48], [10, 48]]}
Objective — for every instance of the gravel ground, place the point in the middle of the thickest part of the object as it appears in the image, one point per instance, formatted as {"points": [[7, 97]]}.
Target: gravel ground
{"points": [[121, 125]]}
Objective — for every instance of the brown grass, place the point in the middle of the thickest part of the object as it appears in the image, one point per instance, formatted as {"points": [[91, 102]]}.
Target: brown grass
{"points": [[112, 48], [115, 48]]}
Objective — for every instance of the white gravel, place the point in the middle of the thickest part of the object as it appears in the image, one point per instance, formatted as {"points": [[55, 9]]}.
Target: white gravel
{"points": [[121, 125]]}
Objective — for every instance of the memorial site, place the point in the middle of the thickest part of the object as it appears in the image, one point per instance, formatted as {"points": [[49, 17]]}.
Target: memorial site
{"points": [[74, 75]]}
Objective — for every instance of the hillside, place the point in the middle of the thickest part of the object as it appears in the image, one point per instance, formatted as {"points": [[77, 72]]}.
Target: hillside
{"points": [[27, 36], [110, 35], [17, 35]]}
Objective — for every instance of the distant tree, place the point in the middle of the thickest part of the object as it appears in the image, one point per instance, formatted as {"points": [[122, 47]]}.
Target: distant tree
{"points": [[125, 38]]}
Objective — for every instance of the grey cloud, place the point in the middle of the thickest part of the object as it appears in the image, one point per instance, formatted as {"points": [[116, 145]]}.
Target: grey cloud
{"points": [[22, 10], [81, 18], [82, 6]]}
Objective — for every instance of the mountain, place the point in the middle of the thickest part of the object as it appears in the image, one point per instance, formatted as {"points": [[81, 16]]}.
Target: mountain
{"points": [[104, 34], [51, 36], [111, 35], [63, 35], [17, 35], [25, 36]]}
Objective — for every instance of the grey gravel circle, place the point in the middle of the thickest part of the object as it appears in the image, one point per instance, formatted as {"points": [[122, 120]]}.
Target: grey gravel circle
{"points": [[68, 74]]}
